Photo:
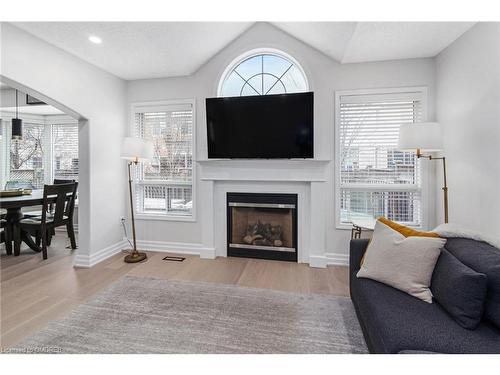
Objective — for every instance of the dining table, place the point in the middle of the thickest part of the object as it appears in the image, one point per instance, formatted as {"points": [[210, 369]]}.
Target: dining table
{"points": [[14, 206]]}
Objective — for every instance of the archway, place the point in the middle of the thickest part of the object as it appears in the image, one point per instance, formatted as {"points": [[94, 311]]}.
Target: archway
{"points": [[83, 161]]}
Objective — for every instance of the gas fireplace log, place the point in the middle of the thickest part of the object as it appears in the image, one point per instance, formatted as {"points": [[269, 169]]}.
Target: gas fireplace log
{"points": [[260, 234]]}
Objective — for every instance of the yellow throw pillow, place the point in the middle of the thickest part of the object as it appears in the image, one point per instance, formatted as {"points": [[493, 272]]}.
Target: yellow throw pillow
{"points": [[404, 230]]}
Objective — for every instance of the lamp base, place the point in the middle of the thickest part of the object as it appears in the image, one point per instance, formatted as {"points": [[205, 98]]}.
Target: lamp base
{"points": [[135, 257]]}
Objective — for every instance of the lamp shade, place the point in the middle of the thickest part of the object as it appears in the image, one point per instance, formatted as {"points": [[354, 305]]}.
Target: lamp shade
{"points": [[426, 136], [137, 149], [17, 128]]}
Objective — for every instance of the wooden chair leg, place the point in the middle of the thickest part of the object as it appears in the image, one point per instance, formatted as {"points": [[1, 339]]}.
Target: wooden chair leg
{"points": [[44, 244], [49, 237], [8, 240], [17, 239], [71, 234], [38, 238]]}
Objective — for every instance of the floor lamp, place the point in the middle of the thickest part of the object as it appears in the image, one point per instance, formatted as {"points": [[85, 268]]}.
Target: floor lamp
{"points": [[425, 137], [135, 150]]}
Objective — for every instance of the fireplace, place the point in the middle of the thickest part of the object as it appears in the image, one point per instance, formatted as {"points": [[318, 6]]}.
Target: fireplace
{"points": [[262, 226]]}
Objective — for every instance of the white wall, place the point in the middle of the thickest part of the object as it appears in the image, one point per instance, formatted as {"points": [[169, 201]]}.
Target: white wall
{"points": [[98, 99], [468, 107], [8, 98], [324, 75]]}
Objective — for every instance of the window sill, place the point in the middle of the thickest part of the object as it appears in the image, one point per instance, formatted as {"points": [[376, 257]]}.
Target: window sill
{"points": [[343, 227], [180, 218]]}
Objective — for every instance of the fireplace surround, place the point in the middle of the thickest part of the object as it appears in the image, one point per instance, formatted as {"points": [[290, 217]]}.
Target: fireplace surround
{"points": [[262, 225]]}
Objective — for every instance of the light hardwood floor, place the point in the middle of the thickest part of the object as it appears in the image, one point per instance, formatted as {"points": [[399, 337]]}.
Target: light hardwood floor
{"points": [[34, 292]]}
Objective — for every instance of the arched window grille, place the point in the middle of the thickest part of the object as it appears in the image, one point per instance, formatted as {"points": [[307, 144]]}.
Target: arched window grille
{"points": [[263, 72]]}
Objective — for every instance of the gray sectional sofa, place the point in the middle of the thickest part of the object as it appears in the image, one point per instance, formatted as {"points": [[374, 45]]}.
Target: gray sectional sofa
{"points": [[395, 322]]}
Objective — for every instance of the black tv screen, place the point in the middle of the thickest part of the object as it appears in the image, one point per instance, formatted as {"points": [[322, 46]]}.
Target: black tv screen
{"points": [[261, 127]]}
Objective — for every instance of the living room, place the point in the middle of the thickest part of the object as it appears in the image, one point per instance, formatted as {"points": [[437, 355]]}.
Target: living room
{"points": [[250, 187]]}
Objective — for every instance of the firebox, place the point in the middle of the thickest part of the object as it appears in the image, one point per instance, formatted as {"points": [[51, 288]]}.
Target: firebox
{"points": [[262, 226]]}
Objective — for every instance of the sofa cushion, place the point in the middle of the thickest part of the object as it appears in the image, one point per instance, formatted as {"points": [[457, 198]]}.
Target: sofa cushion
{"points": [[395, 321], [404, 230], [460, 290], [405, 263], [483, 258]]}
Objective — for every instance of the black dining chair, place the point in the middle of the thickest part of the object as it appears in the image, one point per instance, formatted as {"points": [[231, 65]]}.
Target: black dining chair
{"points": [[39, 213], [43, 225], [4, 236]]}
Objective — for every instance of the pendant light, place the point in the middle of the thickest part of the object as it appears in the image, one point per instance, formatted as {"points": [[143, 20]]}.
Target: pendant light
{"points": [[17, 124]]}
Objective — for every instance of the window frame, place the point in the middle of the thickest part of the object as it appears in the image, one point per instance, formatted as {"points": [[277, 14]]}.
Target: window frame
{"points": [[256, 52], [424, 167], [46, 121], [53, 121], [136, 107]]}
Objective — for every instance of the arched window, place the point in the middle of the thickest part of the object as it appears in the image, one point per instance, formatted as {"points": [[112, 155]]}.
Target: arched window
{"points": [[263, 72]]}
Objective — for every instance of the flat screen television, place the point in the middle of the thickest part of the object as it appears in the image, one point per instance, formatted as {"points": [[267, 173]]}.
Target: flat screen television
{"points": [[261, 127]]}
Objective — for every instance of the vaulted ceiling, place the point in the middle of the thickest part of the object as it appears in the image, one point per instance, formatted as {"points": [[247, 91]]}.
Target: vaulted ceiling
{"points": [[137, 50]]}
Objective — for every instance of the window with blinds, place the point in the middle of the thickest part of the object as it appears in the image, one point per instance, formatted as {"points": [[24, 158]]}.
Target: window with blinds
{"points": [[65, 151], [376, 179], [48, 150], [165, 185]]}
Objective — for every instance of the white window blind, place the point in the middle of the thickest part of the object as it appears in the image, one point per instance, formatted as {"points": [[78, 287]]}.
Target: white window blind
{"points": [[48, 150], [376, 179], [27, 156], [65, 151], [4, 150], [165, 185]]}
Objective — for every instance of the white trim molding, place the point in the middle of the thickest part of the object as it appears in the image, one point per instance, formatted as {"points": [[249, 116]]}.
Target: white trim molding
{"points": [[177, 248], [317, 261], [87, 261], [329, 259], [337, 259]]}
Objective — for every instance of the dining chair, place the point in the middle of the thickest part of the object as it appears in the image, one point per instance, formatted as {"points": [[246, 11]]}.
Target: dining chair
{"points": [[39, 213], [62, 215], [4, 237]]}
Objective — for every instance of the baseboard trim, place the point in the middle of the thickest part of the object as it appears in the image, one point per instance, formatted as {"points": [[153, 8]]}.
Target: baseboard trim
{"points": [[87, 261], [337, 259], [178, 248], [317, 261], [329, 259]]}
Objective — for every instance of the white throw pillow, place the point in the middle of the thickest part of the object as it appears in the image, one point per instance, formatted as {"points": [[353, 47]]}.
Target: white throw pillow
{"points": [[405, 263]]}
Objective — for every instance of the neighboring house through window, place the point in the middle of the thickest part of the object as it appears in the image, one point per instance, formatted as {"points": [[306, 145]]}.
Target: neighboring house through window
{"points": [[47, 150], [373, 177], [65, 151], [27, 154], [164, 186]]}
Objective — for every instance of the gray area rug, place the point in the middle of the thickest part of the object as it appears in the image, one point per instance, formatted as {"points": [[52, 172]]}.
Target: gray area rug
{"points": [[145, 315]]}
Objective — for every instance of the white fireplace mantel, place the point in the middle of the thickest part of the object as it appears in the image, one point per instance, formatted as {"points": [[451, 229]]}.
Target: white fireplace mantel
{"points": [[305, 177], [293, 170]]}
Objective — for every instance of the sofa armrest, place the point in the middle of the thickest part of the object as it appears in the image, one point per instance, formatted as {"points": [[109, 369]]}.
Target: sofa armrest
{"points": [[356, 252]]}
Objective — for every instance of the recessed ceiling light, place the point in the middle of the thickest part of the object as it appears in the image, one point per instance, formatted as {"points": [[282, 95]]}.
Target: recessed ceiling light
{"points": [[95, 39]]}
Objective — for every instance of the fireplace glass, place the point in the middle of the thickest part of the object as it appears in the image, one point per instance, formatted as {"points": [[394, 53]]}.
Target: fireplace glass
{"points": [[262, 226]]}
